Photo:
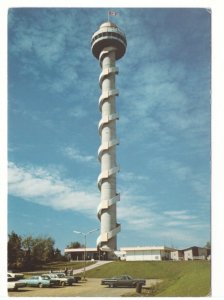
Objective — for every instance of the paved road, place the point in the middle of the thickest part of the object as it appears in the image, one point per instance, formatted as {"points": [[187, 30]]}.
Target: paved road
{"points": [[91, 288], [97, 264]]}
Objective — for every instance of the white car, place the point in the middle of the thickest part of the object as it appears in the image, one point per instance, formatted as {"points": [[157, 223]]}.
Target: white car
{"points": [[15, 276], [13, 284]]}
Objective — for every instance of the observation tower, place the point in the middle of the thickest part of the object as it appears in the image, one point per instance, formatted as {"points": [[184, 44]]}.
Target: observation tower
{"points": [[108, 44]]}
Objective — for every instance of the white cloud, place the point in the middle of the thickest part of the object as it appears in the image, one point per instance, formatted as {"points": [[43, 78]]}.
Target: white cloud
{"points": [[180, 236], [140, 214], [52, 43], [135, 212], [195, 178], [39, 186], [179, 215], [174, 212], [75, 154], [130, 176], [78, 112]]}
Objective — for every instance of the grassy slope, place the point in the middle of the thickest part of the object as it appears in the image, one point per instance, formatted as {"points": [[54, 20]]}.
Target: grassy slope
{"points": [[190, 278], [148, 269], [62, 265], [193, 281]]}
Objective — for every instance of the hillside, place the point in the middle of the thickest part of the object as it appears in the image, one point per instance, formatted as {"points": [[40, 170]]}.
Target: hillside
{"points": [[187, 278]]}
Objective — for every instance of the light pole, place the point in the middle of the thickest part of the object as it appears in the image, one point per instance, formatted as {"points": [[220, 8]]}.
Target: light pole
{"points": [[85, 234]]}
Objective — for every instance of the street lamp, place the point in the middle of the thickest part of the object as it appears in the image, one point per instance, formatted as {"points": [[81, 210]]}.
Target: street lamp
{"points": [[85, 234]]}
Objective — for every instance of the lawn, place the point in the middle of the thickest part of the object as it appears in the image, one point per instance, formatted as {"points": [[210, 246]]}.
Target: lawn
{"points": [[70, 265], [186, 278], [58, 266], [193, 281]]}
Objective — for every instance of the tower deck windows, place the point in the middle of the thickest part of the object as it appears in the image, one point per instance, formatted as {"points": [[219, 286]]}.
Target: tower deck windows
{"points": [[109, 35]]}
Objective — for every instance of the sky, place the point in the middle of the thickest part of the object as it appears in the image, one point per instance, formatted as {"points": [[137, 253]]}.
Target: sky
{"points": [[164, 101]]}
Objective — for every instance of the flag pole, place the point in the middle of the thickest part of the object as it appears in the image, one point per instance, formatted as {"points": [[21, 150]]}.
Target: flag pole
{"points": [[108, 16]]}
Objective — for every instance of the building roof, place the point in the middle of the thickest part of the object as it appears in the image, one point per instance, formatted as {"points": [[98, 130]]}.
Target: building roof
{"points": [[80, 250], [193, 247], [142, 248]]}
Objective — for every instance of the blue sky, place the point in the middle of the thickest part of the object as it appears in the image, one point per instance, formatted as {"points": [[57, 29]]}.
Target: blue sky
{"points": [[164, 125]]}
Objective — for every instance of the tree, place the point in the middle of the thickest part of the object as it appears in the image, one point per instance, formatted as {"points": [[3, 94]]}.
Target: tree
{"points": [[57, 255], [43, 249], [75, 245], [28, 252], [208, 245], [15, 252], [37, 251], [27, 245]]}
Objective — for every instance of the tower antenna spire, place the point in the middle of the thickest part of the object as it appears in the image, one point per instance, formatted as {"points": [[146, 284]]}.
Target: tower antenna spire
{"points": [[111, 13]]}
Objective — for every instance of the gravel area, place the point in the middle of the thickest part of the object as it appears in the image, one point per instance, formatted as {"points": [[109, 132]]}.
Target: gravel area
{"points": [[90, 288]]}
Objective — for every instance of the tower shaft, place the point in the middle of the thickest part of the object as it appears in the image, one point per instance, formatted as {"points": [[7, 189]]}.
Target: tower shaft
{"points": [[107, 152]]}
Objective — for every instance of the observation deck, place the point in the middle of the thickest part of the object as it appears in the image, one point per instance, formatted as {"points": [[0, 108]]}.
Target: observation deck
{"points": [[108, 35]]}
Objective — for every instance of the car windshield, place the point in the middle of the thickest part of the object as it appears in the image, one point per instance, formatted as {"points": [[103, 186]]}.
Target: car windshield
{"points": [[45, 277], [125, 277]]}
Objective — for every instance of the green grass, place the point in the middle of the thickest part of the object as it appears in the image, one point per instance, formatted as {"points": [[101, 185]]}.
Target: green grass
{"points": [[193, 281], [187, 278], [182, 278], [58, 266], [70, 265]]}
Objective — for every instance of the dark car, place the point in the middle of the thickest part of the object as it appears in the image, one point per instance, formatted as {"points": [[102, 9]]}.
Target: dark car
{"points": [[76, 278], [123, 281]]}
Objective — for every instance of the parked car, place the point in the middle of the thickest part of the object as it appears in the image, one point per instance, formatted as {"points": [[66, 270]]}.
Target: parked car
{"points": [[39, 281], [61, 278], [123, 281], [15, 276], [63, 275], [13, 284], [75, 278], [72, 279]]}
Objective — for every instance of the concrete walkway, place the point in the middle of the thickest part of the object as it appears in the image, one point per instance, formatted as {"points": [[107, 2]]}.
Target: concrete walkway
{"points": [[97, 264]]}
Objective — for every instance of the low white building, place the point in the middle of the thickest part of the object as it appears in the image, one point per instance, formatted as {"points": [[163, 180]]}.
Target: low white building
{"points": [[91, 253], [177, 255], [147, 253], [194, 253]]}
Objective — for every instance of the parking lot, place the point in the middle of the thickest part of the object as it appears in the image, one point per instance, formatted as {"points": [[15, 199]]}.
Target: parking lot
{"points": [[91, 288]]}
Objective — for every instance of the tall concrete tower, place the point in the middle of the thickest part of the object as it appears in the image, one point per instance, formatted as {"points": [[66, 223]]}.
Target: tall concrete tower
{"points": [[108, 45]]}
